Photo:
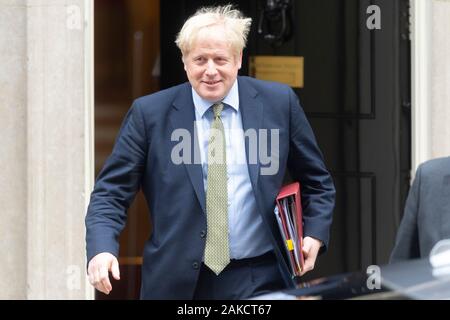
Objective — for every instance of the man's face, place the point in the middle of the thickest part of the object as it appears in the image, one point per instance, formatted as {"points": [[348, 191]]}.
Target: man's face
{"points": [[211, 65]]}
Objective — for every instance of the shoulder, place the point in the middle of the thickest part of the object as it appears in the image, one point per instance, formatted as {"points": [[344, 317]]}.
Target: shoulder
{"points": [[434, 168], [272, 93], [161, 98], [264, 86]]}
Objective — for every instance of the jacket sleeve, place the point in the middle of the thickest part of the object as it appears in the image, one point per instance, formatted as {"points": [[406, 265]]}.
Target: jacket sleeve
{"points": [[116, 186], [407, 240], [306, 165]]}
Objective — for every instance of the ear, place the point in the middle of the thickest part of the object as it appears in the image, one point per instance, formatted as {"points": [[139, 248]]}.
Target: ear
{"points": [[184, 64], [239, 60]]}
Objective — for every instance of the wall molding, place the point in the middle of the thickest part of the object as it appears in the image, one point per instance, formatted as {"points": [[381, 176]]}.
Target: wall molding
{"points": [[420, 82]]}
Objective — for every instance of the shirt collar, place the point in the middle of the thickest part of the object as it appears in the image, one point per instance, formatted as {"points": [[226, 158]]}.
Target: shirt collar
{"points": [[231, 99]]}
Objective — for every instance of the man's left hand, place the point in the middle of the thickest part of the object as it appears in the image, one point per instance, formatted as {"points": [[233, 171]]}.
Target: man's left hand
{"points": [[310, 250]]}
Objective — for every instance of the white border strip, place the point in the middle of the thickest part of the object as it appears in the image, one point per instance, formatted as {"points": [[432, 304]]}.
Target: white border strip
{"points": [[420, 64], [89, 114]]}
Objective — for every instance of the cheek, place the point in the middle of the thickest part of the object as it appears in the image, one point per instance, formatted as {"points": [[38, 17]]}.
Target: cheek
{"points": [[232, 70], [195, 72], [190, 72]]}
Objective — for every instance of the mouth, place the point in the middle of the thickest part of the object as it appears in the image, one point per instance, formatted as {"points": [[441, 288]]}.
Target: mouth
{"points": [[211, 83]]}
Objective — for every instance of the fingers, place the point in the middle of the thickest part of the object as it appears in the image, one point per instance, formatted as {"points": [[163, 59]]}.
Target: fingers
{"points": [[91, 277], [115, 269], [308, 266], [97, 282], [309, 260], [104, 279], [306, 248], [310, 250], [98, 271]]}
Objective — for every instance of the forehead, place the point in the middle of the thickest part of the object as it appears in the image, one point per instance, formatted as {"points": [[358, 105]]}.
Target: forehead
{"points": [[212, 39]]}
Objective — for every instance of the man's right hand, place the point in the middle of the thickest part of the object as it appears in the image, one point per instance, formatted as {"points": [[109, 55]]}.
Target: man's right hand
{"points": [[98, 271]]}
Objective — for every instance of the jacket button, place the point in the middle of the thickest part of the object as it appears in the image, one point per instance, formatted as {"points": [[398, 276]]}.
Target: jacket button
{"points": [[195, 265], [203, 233]]}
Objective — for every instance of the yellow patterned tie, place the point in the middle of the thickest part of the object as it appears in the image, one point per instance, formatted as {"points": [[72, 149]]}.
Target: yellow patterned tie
{"points": [[217, 252]]}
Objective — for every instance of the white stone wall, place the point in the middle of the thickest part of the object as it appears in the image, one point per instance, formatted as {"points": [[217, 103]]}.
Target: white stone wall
{"points": [[46, 121], [430, 80], [440, 79], [13, 151]]}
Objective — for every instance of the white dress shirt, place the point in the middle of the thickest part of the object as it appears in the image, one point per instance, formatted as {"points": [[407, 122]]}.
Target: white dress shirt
{"points": [[247, 235]]}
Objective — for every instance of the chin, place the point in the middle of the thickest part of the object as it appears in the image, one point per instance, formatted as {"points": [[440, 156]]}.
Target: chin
{"points": [[211, 97]]}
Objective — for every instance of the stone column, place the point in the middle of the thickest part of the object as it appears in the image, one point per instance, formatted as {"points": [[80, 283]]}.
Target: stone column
{"points": [[48, 135], [430, 80], [13, 152], [440, 79]]}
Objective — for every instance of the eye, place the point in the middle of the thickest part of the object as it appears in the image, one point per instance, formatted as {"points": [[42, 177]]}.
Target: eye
{"points": [[221, 60]]}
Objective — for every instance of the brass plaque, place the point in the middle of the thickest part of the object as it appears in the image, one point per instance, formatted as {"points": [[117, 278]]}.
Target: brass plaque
{"points": [[284, 69]]}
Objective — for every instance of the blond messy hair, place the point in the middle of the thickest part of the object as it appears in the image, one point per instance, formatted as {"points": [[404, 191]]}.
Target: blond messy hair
{"points": [[235, 24]]}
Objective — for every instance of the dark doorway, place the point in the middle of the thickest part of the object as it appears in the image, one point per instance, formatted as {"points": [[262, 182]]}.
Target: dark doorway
{"points": [[126, 66]]}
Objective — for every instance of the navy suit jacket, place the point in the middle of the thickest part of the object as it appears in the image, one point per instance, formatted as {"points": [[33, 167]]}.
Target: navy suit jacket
{"points": [[141, 158]]}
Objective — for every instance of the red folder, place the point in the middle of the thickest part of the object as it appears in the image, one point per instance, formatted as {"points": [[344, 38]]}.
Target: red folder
{"points": [[290, 221]]}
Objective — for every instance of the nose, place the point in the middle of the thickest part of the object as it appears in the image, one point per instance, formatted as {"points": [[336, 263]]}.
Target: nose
{"points": [[211, 68]]}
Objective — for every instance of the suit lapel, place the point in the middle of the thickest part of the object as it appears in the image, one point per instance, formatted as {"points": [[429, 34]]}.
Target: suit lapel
{"points": [[252, 111], [183, 117], [252, 115]]}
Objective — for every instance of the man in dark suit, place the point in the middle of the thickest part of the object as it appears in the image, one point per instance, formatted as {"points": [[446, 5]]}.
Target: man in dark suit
{"points": [[426, 218], [200, 152]]}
